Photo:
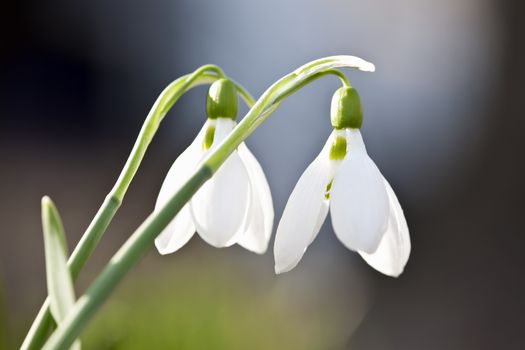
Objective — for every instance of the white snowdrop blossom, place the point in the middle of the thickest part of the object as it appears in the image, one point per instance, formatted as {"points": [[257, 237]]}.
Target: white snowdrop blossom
{"points": [[234, 206], [366, 215]]}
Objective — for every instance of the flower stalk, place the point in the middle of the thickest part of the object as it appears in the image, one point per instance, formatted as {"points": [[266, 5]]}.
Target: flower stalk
{"points": [[206, 74], [144, 236]]}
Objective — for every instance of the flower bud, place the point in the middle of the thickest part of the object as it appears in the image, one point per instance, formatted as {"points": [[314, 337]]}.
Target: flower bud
{"points": [[222, 100], [346, 109]]}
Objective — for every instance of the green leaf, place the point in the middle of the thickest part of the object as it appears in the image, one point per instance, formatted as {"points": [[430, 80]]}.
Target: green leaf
{"points": [[59, 282]]}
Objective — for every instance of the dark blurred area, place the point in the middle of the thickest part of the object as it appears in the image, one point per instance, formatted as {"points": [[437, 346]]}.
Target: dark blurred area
{"points": [[443, 121]]}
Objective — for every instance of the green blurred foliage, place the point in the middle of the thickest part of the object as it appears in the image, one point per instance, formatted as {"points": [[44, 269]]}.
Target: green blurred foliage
{"points": [[3, 318], [209, 306], [210, 299]]}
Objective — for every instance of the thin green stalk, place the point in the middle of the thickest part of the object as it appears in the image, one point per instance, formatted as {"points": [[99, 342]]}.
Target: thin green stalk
{"points": [[134, 247], [341, 76], [43, 321], [248, 99], [146, 233]]}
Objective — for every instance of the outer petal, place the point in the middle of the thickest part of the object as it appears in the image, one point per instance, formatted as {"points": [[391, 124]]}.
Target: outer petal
{"points": [[304, 213], [260, 219], [392, 254], [181, 228], [220, 207], [358, 199]]}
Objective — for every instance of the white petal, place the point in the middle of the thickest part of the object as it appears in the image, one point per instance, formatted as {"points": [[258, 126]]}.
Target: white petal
{"points": [[220, 207], [358, 200], [260, 218], [177, 233], [304, 213], [223, 127], [392, 254], [320, 219], [181, 228]]}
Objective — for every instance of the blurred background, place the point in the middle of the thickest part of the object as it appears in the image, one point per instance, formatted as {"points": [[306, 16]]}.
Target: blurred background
{"points": [[443, 119]]}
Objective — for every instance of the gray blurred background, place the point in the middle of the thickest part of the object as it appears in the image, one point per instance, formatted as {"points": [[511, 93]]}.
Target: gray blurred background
{"points": [[443, 121]]}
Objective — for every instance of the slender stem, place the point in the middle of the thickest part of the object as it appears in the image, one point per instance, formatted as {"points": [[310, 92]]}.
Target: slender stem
{"points": [[165, 101], [248, 99], [146, 233], [308, 80], [43, 321], [117, 267]]}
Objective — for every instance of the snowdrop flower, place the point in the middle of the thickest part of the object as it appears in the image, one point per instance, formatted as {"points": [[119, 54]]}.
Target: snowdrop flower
{"points": [[235, 205], [366, 215]]}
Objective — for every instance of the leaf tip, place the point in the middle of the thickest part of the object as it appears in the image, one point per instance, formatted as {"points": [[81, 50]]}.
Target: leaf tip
{"points": [[46, 202]]}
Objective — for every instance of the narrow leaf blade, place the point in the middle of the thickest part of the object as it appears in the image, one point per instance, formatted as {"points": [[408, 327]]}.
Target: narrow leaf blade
{"points": [[59, 282]]}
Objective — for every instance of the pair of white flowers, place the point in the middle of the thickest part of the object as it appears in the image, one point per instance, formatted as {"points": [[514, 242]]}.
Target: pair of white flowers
{"points": [[235, 205]]}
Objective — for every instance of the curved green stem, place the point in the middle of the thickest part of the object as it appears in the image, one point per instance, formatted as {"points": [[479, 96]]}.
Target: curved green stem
{"points": [[281, 89], [146, 233], [245, 95], [43, 321], [309, 79]]}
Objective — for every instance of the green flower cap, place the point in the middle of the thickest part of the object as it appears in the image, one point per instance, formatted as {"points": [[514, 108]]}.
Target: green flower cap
{"points": [[222, 100], [346, 109]]}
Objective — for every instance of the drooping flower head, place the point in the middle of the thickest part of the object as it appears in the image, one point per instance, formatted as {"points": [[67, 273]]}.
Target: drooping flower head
{"points": [[366, 215], [235, 205]]}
